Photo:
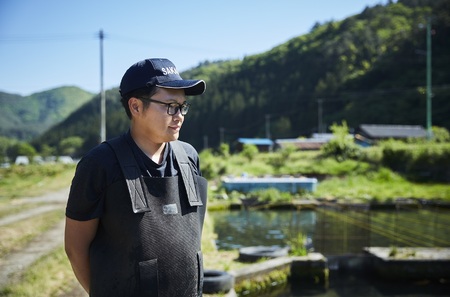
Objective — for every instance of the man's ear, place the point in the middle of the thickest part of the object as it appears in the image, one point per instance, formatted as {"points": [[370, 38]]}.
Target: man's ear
{"points": [[134, 105]]}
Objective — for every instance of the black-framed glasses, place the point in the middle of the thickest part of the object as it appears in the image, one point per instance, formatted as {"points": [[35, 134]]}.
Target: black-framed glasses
{"points": [[172, 108]]}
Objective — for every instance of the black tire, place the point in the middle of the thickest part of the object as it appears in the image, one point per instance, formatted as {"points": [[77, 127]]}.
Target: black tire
{"points": [[216, 281], [255, 253]]}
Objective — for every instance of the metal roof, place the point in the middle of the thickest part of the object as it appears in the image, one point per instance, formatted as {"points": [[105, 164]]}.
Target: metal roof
{"points": [[392, 131], [256, 141]]}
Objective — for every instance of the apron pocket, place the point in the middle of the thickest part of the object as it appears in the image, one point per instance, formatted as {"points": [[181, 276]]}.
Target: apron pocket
{"points": [[149, 277]]}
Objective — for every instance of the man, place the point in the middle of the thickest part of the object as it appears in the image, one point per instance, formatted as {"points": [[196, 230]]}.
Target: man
{"points": [[136, 205]]}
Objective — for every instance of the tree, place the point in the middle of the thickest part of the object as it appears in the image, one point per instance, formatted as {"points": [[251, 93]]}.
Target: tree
{"points": [[342, 145], [282, 127], [5, 143], [70, 145], [47, 150], [249, 151], [21, 149], [224, 150]]}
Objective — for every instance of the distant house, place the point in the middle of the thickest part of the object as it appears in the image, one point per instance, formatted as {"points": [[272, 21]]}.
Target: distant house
{"points": [[313, 143], [372, 133], [263, 144], [22, 160], [65, 159]]}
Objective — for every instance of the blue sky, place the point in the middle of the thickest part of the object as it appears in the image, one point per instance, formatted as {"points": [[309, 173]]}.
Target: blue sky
{"points": [[51, 43]]}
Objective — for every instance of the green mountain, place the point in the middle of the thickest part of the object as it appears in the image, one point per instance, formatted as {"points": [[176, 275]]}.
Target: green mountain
{"points": [[369, 68], [25, 118]]}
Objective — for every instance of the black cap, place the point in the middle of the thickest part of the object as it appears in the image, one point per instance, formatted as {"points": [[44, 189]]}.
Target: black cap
{"points": [[161, 73]]}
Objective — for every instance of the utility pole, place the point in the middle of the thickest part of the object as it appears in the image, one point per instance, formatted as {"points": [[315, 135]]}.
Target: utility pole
{"points": [[102, 93], [268, 126], [319, 116], [222, 136], [205, 142], [268, 136], [429, 132]]}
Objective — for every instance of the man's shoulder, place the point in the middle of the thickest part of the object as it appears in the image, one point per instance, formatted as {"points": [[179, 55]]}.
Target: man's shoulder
{"points": [[103, 148], [188, 148], [100, 154]]}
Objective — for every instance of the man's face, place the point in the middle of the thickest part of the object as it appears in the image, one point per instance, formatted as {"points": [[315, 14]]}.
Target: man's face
{"points": [[158, 126]]}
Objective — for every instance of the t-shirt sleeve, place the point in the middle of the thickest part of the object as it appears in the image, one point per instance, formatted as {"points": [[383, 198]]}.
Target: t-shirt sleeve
{"points": [[87, 191]]}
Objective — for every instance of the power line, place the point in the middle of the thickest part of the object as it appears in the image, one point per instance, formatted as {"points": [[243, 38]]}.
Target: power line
{"points": [[28, 38], [38, 38]]}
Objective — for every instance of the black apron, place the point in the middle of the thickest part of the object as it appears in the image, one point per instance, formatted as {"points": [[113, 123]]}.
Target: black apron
{"points": [[148, 241]]}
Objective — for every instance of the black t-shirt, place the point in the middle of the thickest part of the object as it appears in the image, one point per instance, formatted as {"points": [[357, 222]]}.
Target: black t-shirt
{"points": [[100, 168]]}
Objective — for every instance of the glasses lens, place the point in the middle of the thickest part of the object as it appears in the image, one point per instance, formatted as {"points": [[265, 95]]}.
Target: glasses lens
{"points": [[184, 108], [172, 109]]}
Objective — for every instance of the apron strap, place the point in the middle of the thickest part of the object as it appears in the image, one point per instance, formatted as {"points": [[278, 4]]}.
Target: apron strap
{"points": [[190, 183], [131, 171]]}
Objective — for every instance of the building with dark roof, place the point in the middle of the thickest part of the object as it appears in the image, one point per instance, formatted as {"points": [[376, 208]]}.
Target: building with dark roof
{"points": [[372, 133]]}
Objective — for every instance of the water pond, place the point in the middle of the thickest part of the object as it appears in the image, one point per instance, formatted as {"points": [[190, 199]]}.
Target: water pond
{"points": [[332, 232], [341, 232]]}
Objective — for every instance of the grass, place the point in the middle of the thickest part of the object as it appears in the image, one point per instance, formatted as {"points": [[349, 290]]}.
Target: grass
{"points": [[366, 188], [349, 179], [50, 276], [353, 180], [16, 235], [59, 278], [34, 180], [9, 207]]}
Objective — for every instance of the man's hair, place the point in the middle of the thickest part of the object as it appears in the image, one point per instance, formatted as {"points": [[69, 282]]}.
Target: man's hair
{"points": [[139, 93]]}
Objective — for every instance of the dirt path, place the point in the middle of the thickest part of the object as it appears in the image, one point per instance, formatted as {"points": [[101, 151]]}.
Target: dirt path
{"points": [[15, 263], [28, 214]]}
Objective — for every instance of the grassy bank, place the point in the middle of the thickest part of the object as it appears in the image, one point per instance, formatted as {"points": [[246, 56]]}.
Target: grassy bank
{"points": [[349, 179], [352, 180], [364, 179]]}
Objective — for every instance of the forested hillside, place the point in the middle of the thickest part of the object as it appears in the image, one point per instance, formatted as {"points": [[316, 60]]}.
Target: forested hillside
{"points": [[368, 68], [24, 118]]}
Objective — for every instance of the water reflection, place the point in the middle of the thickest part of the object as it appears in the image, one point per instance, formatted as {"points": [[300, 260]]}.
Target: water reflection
{"points": [[349, 285], [237, 229], [333, 232], [336, 233]]}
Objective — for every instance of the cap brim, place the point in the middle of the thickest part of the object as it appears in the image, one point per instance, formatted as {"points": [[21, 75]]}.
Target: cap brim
{"points": [[191, 87]]}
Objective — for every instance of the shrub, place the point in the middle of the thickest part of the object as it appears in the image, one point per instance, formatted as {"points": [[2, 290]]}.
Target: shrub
{"points": [[440, 134], [298, 245], [224, 150], [249, 151], [281, 157], [342, 145], [211, 166], [271, 195], [421, 162]]}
